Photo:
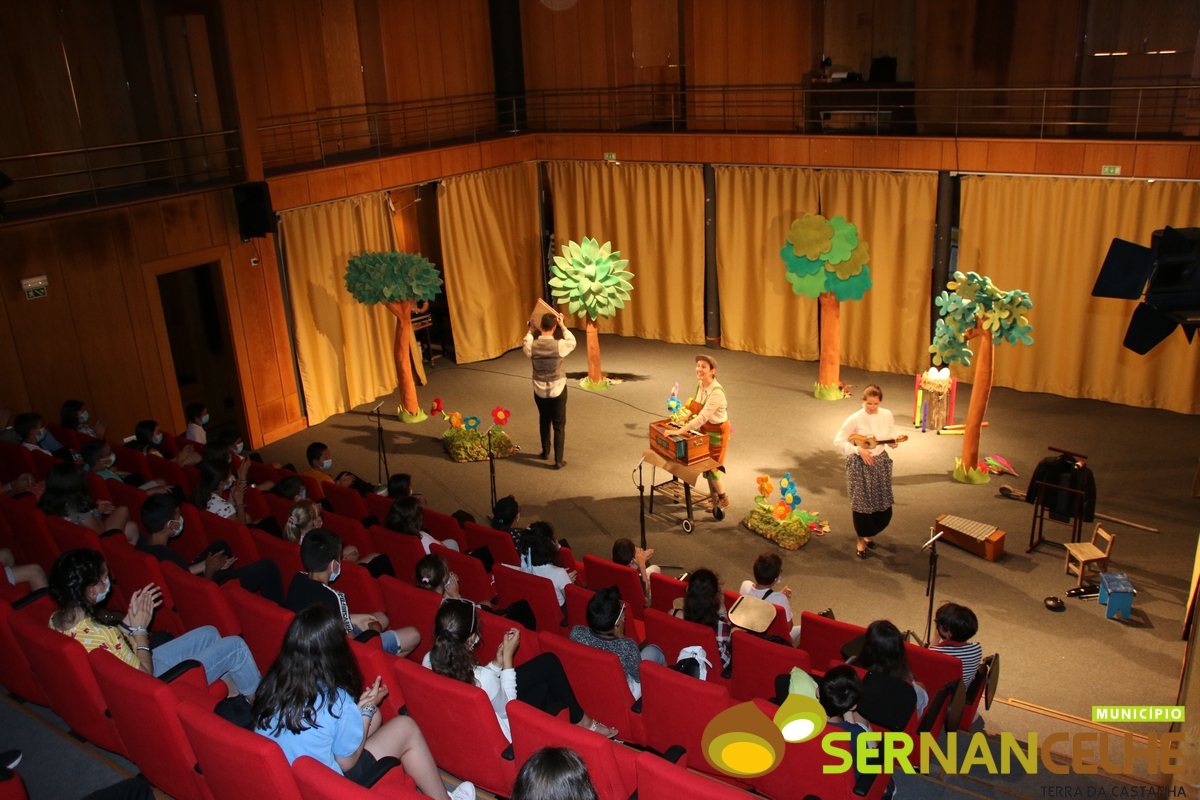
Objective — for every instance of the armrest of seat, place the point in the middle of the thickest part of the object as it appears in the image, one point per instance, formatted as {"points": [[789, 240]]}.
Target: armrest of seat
{"points": [[637, 706], [367, 636], [508, 754], [32, 597], [112, 532], [673, 754], [183, 668]]}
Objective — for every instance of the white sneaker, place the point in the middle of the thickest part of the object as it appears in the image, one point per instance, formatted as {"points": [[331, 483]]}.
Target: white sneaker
{"points": [[465, 791]]}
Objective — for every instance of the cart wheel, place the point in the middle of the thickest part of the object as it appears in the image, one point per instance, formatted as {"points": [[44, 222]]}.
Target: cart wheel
{"points": [[718, 513], [688, 526]]}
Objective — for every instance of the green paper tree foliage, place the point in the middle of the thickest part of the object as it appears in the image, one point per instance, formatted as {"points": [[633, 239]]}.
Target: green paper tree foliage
{"points": [[977, 302], [392, 277], [826, 256], [591, 279]]}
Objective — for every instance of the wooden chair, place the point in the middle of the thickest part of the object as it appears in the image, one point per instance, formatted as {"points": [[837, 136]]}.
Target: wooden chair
{"points": [[1088, 553]]}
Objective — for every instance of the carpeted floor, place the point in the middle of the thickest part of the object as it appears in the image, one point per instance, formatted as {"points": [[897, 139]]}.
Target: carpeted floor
{"points": [[1144, 461]]}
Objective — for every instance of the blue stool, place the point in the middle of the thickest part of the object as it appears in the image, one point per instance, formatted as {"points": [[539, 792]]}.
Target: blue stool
{"points": [[1117, 593]]}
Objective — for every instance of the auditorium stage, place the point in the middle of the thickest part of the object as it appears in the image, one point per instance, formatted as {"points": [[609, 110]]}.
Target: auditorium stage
{"points": [[1144, 462]]}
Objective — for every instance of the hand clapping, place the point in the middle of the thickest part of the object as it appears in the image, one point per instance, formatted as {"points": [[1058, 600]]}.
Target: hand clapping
{"points": [[142, 605]]}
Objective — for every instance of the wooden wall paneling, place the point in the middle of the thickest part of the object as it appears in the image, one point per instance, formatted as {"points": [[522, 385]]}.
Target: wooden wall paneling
{"points": [[1058, 158], [125, 229], [1019, 156], [44, 330], [396, 171], [208, 103], [849, 32], [326, 184], [248, 64], [537, 45], [876, 153], [655, 33], [222, 217], [476, 46], [185, 224], [14, 135], [714, 149], [397, 24], [426, 166], [787, 57], [646, 147], [96, 294], [13, 393], [788, 150], [555, 147], [527, 148], [1193, 167], [1158, 160], [459, 160], [893, 32], [363, 178], [497, 153], [345, 71], [448, 27], [593, 26], [968, 156], [919, 154], [830, 151], [282, 58], [744, 40], [93, 50], [190, 159], [309, 22], [679, 148], [259, 367], [149, 238], [750, 150], [429, 50], [1098, 154], [710, 66], [289, 191], [371, 51], [144, 72]]}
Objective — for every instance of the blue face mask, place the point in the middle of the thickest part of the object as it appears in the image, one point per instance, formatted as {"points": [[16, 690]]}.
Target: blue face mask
{"points": [[204, 420], [178, 531], [107, 587], [327, 463], [336, 572], [83, 416], [41, 435], [157, 438], [303, 494], [238, 447]]}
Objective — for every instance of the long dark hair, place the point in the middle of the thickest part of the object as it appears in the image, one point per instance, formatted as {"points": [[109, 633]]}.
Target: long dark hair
{"points": [[144, 435], [554, 773], [432, 572], [399, 485], [68, 415], [73, 572], [538, 541], [452, 627], [66, 491], [213, 473], [313, 663], [883, 651], [405, 516], [702, 603]]}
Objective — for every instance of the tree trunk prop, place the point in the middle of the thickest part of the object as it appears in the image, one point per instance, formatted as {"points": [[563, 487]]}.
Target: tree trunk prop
{"points": [[410, 408], [829, 384], [966, 469], [595, 380]]}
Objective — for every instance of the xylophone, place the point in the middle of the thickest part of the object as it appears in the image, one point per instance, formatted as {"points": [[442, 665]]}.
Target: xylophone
{"points": [[985, 541]]}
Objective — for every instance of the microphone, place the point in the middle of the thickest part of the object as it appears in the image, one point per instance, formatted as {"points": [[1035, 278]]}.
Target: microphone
{"points": [[376, 408], [933, 538]]}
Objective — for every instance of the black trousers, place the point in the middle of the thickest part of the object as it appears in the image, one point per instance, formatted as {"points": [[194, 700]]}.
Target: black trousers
{"points": [[542, 683], [873, 524], [552, 411], [260, 576]]}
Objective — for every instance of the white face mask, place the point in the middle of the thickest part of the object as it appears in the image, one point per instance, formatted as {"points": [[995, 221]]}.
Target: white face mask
{"points": [[327, 463], [178, 531], [304, 494], [107, 587], [336, 572], [204, 420], [228, 482], [238, 448], [157, 438], [83, 416]]}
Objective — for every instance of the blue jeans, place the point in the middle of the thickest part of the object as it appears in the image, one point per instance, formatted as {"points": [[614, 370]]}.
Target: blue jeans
{"points": [[220, 656], [388, 640]]}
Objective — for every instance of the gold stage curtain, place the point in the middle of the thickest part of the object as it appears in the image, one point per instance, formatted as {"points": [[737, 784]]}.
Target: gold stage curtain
{"points": [[344, 349], [653, 214], [759, 311], [491, 258], [1049, 236], [888, 330]]}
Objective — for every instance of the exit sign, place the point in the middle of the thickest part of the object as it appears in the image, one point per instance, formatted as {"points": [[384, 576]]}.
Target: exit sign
{"points": [[610, 156], [1110, 169], [34, 292]]}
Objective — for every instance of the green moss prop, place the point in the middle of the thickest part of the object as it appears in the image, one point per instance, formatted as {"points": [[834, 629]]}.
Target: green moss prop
{"points": [[464, 445]]}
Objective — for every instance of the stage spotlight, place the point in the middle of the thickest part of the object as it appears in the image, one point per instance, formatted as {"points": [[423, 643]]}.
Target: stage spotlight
{"points": [[1167, 272]]}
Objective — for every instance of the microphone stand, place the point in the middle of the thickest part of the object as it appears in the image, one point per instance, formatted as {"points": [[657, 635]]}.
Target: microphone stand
{"points": [[381, 465], [492, 466], [931, 583], [642, 502]]}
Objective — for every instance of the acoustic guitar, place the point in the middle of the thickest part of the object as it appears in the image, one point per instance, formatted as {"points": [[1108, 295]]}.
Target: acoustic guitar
{"points": [[870, 442]]}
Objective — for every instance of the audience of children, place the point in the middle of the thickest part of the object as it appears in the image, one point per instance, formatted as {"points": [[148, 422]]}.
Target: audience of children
{"points": [[320, 462], [307, 703], [554, 773], [98, 457], [433, 574], [767, 570], [407, 517], [539, 554], [150, 440], [74, 417], [197, 417], [625, 553], [67, 495], [540, 681], [956, 625], [320, 554], [883, 651], [605, 630]]}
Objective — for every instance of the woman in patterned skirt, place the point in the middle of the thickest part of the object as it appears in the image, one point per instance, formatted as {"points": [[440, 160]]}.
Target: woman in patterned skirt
{"points": [[868, 472]]}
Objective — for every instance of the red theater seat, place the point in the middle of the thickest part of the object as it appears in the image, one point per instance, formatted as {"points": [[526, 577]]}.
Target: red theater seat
{"points": [[659, 779], [262, 622], [199, 601], [498, 542], [758, 662], [603, 573], [676, 709], [673, 634], [512, 585], [612, 767], [599, 683], [235, 763]]}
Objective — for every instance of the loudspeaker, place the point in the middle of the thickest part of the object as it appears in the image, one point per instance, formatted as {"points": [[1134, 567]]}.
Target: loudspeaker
{"points": [[254, 213]]}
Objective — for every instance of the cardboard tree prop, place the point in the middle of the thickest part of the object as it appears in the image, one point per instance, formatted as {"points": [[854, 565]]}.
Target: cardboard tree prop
{"points": [[977, 309], [591, 280], [827, 261], [397, 280]]}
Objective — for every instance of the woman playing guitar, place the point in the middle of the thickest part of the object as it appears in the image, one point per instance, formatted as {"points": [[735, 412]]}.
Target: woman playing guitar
{"points": [[868, 467]]}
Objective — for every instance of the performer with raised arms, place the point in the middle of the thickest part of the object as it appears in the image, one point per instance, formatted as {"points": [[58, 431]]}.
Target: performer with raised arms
{"points": [[868, 468], [709, 412]]}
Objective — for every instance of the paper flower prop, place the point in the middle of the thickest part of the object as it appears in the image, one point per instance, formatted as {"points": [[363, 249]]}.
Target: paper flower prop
{"points": [[783, 521], [471, 423], [437, 406], [455, 419], [782, 510], [500, 415]]}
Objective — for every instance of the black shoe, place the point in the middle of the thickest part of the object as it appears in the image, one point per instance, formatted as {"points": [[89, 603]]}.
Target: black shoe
{"points": [[871, 545], [10, 758], [860, 553], [827, 614]]}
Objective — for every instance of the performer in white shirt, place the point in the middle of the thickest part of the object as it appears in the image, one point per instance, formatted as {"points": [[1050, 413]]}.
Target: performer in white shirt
{"points": [[710, 408], [868, 472], [550, 381]]}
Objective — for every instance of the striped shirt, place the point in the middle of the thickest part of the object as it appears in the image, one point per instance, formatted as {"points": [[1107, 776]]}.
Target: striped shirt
{"points": [[970, 653]]}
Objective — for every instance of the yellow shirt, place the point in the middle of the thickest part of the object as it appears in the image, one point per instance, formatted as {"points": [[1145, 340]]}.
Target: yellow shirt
{"points": [[93, 635], [316, 474]]}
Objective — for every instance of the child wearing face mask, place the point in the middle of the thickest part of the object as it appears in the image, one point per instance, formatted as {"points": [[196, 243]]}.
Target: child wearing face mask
{"points": [[99, 458], [765, 586], [149, 439], [162, 520], [320, 554], [320, 462], [197, 417]]}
